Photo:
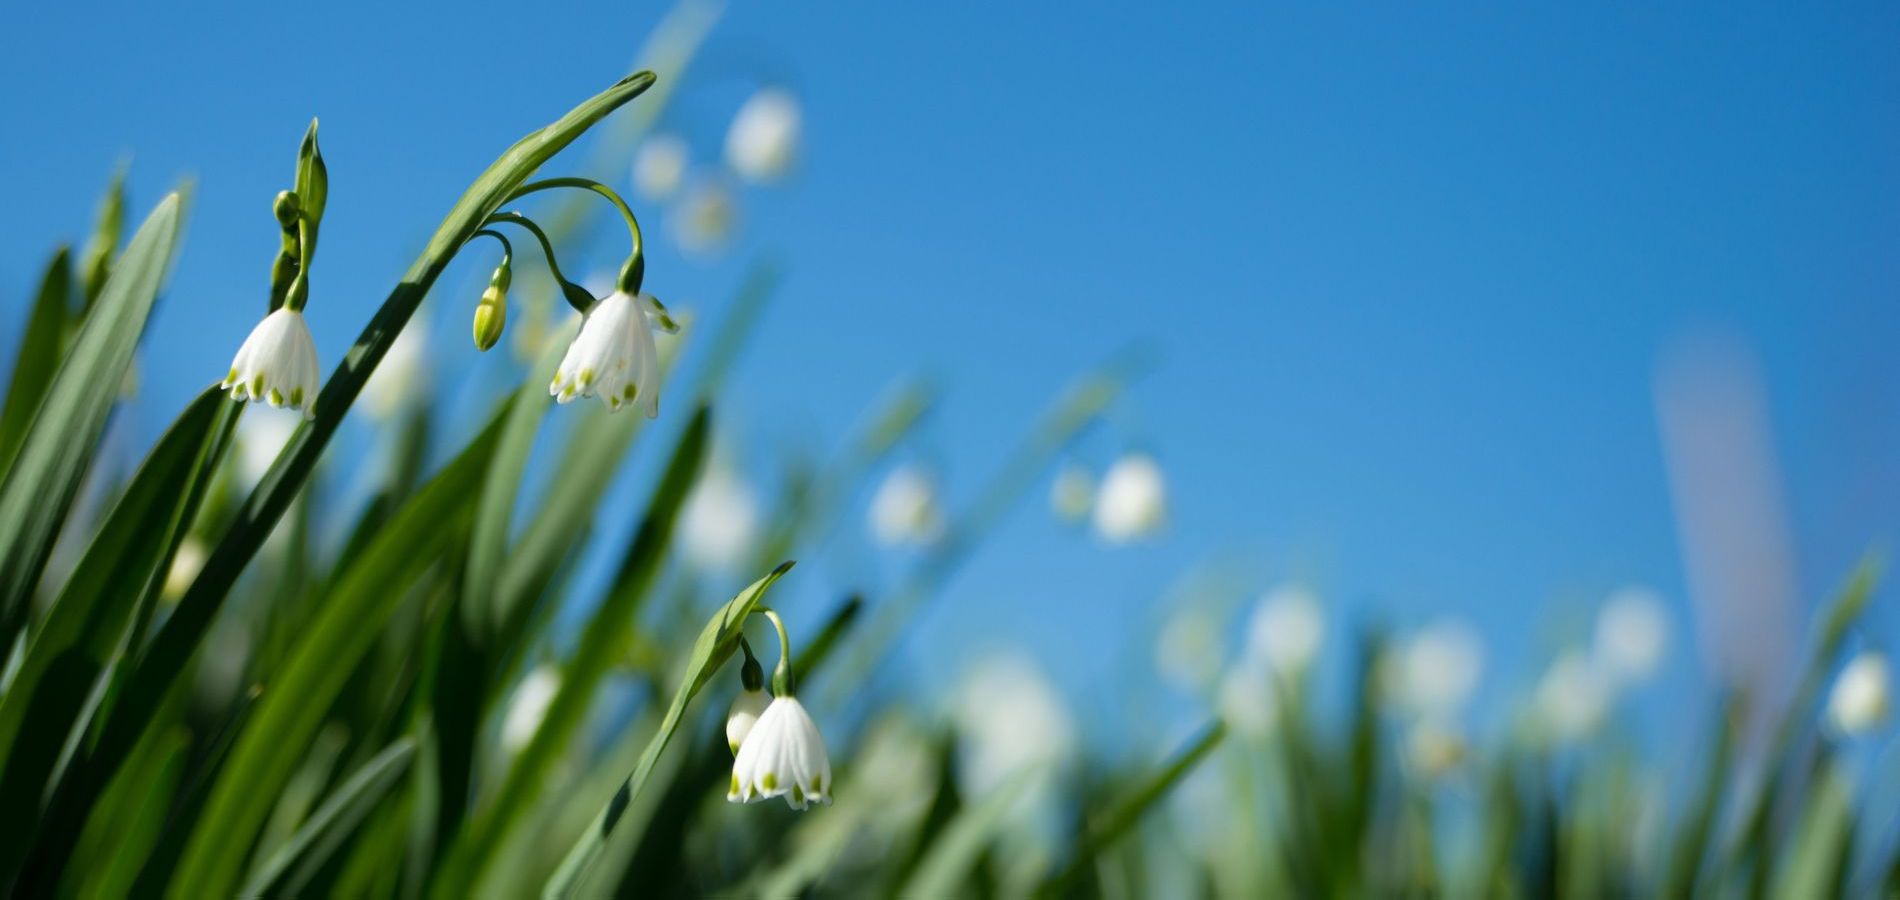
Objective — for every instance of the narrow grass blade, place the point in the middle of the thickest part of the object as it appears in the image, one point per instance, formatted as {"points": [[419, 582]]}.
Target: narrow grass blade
{"points": [[138, 808], [45, 475], [346, 807], [955, 851], [41, 346]]}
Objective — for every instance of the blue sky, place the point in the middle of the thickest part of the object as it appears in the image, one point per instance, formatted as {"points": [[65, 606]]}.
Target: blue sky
{"points": [[1409, 269]]}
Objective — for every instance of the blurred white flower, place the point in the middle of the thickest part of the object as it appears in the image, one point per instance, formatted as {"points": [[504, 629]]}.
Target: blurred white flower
{"points": [[762, 143], [705, 216], [184, 568], [1009, 718], [1860, 698], [783, 755], [1188, 651], [1072, 493], [1433, 749], [1438, 669], [614, 355], [905, 509], [720, 520], [895, 758], [660, 166], [528, 707], [401, 377], [1632, 634], [260, 438], [1287, 629], [1248, 700], [1133, 501], [1572, 698], [277, 364], [745, 712]]}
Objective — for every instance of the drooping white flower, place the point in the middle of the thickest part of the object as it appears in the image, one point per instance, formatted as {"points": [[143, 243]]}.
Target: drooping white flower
{"points": [[1860, 698], [529, 707], [401, 377], [746, 709], [782, 755], [762, 143], [184, 569], [660, 166], [1133, 501], [1072, 493], [1286, 629], [1248, 700], [1572, 698], [614, 355], [1438, 668], [905, 510], [276, 364], [720, 520], [705, 216], [1632, 633], [260, 439], [1433, 749], [1009, 719]]}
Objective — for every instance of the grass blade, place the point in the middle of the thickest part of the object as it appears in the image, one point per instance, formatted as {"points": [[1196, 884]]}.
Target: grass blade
{"points": [[38, 357], [349, 805]]}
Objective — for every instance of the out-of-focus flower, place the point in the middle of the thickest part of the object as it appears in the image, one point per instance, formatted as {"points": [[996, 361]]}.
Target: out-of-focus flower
{"points": [[762, 143], [260, 438], [529, 707], [1286, 629], [1072, 493], [1860, 698], [1572, 697], [614, 355], [1188, 651], [720, 520], [1433, 749], [1010, 718], [401, 377], [783, 755], [1632, 633], [1248, 700], [1133, 501], [184, 568], [705, 216], [660, 166], [894, 760], [746, 709], [905, 509], [1437, 670], [276, 364]]}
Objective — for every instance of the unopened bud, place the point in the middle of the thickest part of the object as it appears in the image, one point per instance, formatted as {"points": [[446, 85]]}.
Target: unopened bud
{"points": [[286, 208], [491, 314]]}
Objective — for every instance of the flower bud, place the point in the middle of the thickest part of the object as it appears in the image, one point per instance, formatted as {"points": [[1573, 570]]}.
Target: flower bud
{"points": [[491, 314], [286, 208]]}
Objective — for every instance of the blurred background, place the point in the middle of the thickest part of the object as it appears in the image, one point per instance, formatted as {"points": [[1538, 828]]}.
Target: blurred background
{"points": [[1473, 315]]}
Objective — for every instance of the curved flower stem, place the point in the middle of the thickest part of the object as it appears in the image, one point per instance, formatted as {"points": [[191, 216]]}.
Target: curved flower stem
{"points": [[547, 250], [507, 249], [635, 267], [782, 675]]}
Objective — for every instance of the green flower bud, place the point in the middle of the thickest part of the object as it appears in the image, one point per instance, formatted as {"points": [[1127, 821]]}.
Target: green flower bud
{"points": [[286, 208], [491, 314]]}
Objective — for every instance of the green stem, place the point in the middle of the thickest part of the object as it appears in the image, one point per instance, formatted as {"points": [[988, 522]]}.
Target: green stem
{"points": [[635, 267], [507, 249], [782, 675]]}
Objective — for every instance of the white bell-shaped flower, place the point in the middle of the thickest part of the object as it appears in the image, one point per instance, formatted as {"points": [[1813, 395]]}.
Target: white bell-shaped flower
{"points": [[905, 509], [762, 143], [614, 356], [746, 709], [1860, 698], [660, 166], [1436, 671], [783, 755], [277, 364], [1133, 501], [1286, 629], [1632, 634], [1573, 698]]}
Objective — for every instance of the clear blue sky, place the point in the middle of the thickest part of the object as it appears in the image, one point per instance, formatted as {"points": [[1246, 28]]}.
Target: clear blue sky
{"points": [[1410, 268]]}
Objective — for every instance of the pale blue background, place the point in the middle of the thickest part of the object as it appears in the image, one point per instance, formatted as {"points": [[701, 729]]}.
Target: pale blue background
{"points": [[1409, 268]]}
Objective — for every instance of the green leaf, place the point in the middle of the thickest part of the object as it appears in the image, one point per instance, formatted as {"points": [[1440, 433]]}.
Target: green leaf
{"points": [[40, 484], [948, 861], [138, 805], [38, 356], [348, 806], [95, 261], [344, 630], [313, 190], [715, 645]]}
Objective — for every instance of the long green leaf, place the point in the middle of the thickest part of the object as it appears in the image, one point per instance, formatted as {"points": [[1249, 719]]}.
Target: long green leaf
{"points": [[139, 804], [58, 446], [344, 630], [347, 806], [38, 356], [1111, 825], [715, 645], [955, 851]]}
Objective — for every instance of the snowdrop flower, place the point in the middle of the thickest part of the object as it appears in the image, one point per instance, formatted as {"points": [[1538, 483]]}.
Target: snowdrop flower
{"points": [[746, 709], [529, 707], [720, 521], [1632, 633], [1072, 493], [904, 510], [276, 364], [260, 439], [1133, 502], [1432, 749], [1438, 668], [1572, 698], [782, 755], [705, 216], [1248, 701], [762, 143], [660, 166], [1286, 629], [400, 377], [1010, 719], [1859, 701], [186, 563], [614, 355]]}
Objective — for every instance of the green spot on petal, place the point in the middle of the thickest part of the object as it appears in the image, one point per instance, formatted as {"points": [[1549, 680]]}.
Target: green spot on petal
{"points": [[276, 397], [735, 775], [296, 396], [770, 781], [798, 796]]}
